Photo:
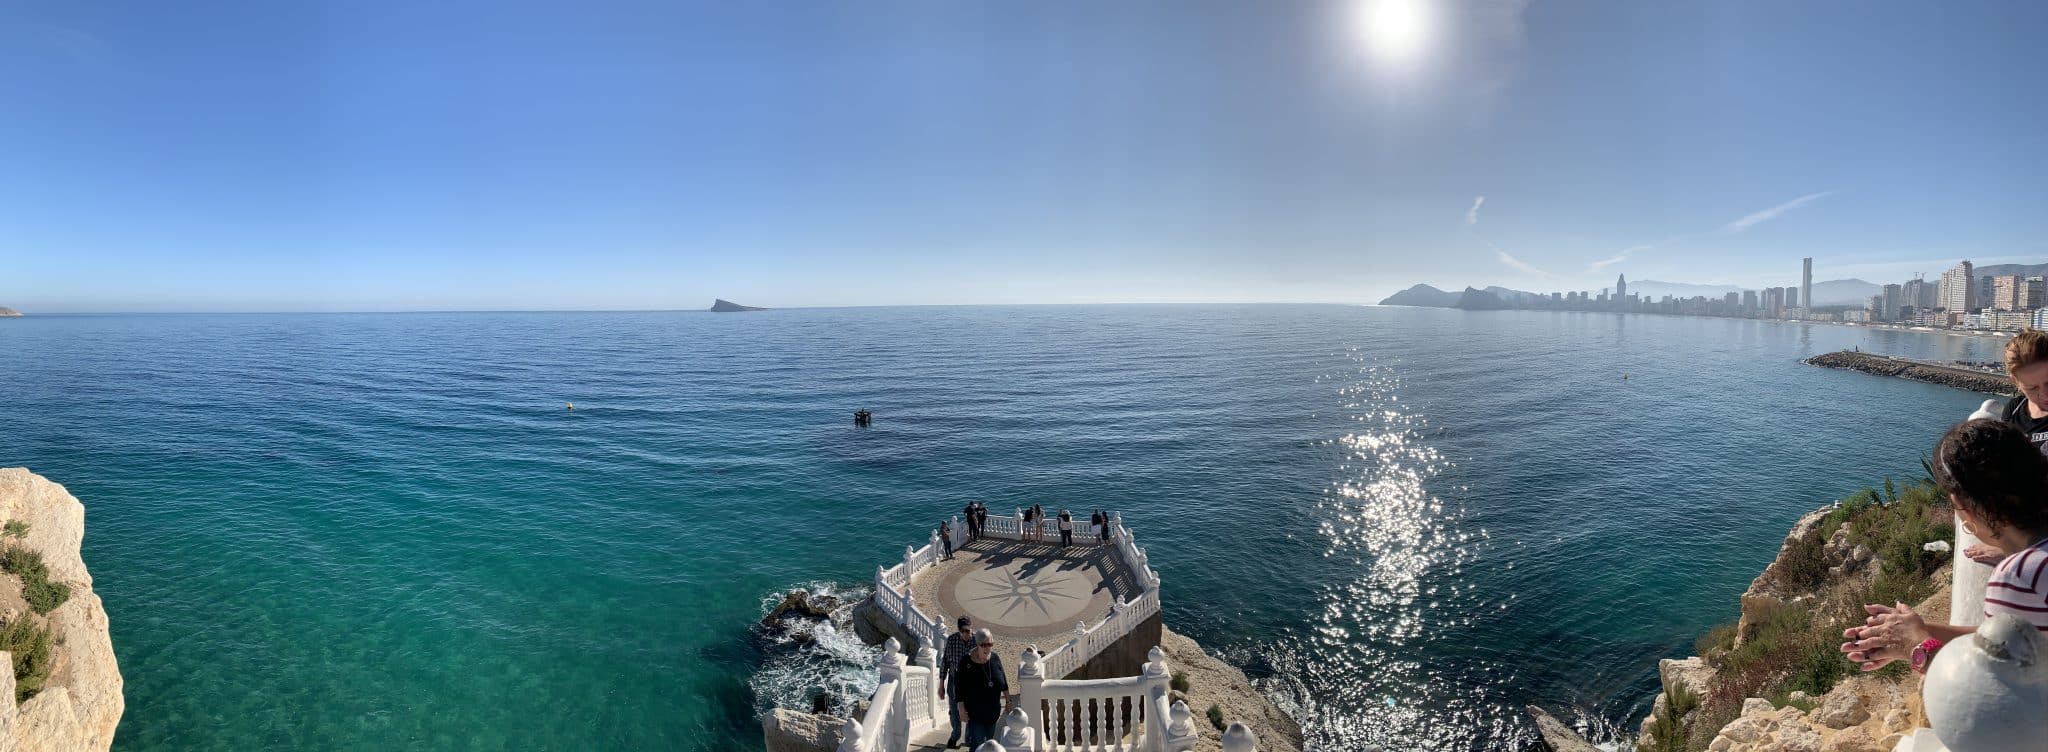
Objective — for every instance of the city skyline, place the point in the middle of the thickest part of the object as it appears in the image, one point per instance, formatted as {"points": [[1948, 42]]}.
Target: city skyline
{"points": [[467, 156]]}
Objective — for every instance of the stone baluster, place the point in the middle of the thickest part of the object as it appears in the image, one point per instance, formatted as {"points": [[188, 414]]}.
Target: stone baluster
{"points": [[890, 662], [991, 746], [1985, 691], [909, 565], [929, 659], [1237, 738], [850, 736], [1181, 735], [1019, 733], [1030, 689], [936, 549], [1158, 686]]}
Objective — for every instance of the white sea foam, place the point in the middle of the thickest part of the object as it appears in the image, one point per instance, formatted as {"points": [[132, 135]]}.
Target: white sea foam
{"points": [[813, 656]]}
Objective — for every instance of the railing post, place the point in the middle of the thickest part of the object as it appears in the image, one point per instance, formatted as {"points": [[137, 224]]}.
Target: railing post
{"points": [[909, 565], [935, 707], [1238, 738], [850, 736], [1158, 680], [1030, 692], [1181, 735], [1019, 733]]}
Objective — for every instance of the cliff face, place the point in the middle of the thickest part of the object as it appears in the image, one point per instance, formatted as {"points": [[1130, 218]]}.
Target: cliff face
{"points": [[80, 704], [1774, 681]]}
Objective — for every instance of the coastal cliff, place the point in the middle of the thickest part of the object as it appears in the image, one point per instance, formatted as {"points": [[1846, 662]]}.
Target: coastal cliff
{"points": [[64, 693], [1775, 680]]}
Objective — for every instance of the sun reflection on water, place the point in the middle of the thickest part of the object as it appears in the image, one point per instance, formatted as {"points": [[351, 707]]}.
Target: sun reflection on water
{"points": [[1394, 541]]}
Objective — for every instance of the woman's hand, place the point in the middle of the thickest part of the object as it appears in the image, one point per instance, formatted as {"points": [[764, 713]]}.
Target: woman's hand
{"points": [[1985, 553], [1890, 634]]}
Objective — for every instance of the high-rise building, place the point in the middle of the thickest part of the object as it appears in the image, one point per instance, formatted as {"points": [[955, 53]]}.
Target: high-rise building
{"points": [[1792, 297], [1984, 290], [1733, 300], [1749, 300], [1958, 292], [2005, 293], [1891, 298], [2032, 294], [1918, 293], [1621, 285], [1806, 281]]}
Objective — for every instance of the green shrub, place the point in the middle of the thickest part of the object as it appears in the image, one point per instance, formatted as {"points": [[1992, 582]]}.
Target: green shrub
{"points": [[1668, 729], [1216, 717], [1179, 683], [1720, 639], [43, 595], [30, 645], [36, 587], [15, 529]]}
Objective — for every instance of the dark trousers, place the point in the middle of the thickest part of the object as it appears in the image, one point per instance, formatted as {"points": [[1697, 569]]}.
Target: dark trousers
{"points": [[1066, 537], [978, 733], [953, 712], [947, 541]]}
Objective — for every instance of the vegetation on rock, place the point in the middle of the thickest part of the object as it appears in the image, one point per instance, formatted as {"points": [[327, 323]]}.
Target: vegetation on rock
{"points": [[42, 595], [30, 645], [1869, 549]]}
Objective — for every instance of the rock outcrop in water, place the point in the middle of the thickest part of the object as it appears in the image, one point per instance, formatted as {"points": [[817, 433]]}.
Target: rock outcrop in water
{"points": [[81, 703], [721, 305], [5, 312]]}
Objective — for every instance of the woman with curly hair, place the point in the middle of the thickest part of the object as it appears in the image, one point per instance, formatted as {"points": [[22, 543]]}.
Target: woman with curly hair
{"points": [[1998, 483]]}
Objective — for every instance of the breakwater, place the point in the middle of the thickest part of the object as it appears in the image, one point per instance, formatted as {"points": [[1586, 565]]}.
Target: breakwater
{"points": [[1932, 373]]}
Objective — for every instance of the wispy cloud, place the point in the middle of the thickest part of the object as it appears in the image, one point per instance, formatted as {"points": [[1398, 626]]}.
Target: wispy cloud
{"points": [[1774, 212], [1621, 256], [1472, 214], [1518, 264]]}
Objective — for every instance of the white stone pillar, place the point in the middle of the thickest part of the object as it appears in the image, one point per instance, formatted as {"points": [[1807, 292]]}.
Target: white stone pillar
{"points": [[1019, 733], [1158, 688], [1181, 735], [909, 565], [929, 659], [1030, 692], [850, 736], [1237, 738]]}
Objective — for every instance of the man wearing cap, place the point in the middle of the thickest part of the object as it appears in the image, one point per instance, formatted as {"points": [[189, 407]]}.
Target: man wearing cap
{"points": [[958, 644]]}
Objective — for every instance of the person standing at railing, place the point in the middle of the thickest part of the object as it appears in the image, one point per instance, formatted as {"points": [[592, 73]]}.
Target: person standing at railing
{"points": [[1025, 532], [958, 645], [973, 523], [1066, 529], [1102, 526], [946, 538], [980, 689], [2026, 364], [1038, 521]]}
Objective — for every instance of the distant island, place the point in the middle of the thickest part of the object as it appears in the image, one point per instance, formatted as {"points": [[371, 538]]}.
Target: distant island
{"points": [[721, 305], [5, 311]]}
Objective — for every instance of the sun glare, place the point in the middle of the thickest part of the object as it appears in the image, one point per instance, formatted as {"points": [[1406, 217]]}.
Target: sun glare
{"points": [[1395, 32]]}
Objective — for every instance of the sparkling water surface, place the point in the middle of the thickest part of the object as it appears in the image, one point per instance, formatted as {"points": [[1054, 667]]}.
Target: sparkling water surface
{"points": [[385, 531]]}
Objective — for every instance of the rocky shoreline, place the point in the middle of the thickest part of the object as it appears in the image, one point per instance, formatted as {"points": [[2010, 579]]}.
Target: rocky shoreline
{"points": [[1879, 365]]}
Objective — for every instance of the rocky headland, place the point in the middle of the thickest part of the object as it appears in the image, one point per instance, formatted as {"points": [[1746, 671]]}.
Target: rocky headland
{"points": [[1775, 680], [721, 305], [64, 694], [1879, 365], [6, 312]]}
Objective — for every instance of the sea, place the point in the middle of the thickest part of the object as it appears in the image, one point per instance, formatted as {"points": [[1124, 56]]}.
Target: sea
{"points": [[391, 532]]}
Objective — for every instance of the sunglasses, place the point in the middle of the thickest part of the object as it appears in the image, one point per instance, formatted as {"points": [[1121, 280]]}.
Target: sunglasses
{"points": [[988, 644]]}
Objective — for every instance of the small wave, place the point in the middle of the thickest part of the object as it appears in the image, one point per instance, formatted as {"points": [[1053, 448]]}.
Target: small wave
{"points": [[808, 658]]}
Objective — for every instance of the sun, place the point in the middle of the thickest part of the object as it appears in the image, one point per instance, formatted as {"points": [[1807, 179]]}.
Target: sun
{"points": [[1396, 32]]}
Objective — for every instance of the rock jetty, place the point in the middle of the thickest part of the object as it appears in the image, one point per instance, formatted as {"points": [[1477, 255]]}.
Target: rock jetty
{"points": [[80, 703], [1932, 373]]}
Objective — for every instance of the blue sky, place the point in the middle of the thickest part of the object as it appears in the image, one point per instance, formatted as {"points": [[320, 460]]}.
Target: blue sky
{"points": [[376, 155]]}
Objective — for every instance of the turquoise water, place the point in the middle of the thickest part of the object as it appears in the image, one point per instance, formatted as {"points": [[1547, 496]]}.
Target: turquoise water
{"points": [[376, 532]]}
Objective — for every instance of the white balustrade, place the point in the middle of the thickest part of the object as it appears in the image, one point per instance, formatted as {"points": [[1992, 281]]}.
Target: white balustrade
{"points": [[1238, 738]]}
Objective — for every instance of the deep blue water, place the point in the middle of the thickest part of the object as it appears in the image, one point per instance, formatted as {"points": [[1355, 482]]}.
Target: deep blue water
{"points": [[384, 531]]}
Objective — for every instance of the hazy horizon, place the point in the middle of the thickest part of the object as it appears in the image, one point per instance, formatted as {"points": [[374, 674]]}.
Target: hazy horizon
{"points": [[385, 156]]}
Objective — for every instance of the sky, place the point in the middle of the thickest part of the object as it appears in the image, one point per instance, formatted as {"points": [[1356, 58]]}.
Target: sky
{"points": [[373, 155]]}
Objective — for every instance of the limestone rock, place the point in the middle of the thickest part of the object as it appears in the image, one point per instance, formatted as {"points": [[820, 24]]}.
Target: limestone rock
{"points": [[791, 731], [1213, 681], [1854, 739], [1559, 737], [1842, 710], [82, 705]]}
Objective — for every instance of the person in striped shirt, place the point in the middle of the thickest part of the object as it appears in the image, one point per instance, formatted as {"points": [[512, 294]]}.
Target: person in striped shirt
{"points": [[1998, 482]]}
